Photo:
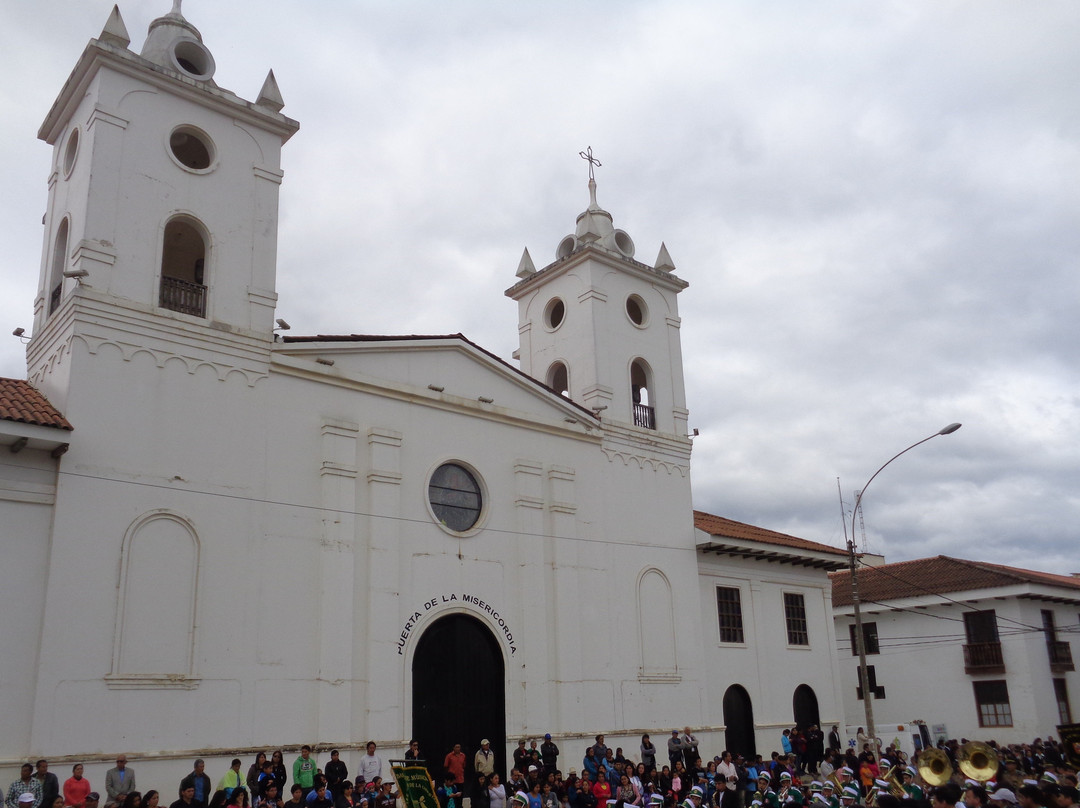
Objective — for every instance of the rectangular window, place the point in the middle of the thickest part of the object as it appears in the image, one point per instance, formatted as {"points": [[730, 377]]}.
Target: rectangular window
{"points": [[729, 612], [1049, 629], [795, 615], [870, 639], [1061, 693], [871, 679], [981, 626], [992, 701]]}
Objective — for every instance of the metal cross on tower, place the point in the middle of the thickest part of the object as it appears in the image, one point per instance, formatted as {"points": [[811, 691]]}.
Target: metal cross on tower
{"points": [[593, 162]]}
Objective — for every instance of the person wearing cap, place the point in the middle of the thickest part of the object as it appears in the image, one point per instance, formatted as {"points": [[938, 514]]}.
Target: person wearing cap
{"points": [[1003, 798], [907, 780], [829, 795], [674, 748], [849, 797], [549, 754], [484, 760], [765, 794], [26, 784], [788, 794]]}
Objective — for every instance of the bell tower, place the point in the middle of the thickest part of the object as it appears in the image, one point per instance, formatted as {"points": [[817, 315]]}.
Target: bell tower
{"points": [[602, 328], [161, 222]]}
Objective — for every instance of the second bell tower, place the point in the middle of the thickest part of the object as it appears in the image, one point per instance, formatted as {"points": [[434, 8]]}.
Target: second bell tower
{"points": [[602, 328]]}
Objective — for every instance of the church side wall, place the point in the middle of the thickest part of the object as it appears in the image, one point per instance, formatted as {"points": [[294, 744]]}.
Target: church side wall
{"points": [[766, 665], [27, 488]]}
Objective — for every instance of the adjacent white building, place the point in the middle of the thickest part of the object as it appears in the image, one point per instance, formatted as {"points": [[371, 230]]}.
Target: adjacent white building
{"points": [[975, 650], [218, 539]]}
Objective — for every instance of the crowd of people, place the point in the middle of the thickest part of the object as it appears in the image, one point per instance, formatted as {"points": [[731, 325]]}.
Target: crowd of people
{"points": [[800, 773]]}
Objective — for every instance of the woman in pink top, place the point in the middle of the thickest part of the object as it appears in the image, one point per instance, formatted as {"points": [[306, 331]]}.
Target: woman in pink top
{"points": [[76, 788]]}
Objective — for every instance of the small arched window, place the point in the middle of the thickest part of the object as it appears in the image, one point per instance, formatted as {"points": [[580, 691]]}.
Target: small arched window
{"points": [[558, 379], [58, 265], [640, 382], [183, 268]]}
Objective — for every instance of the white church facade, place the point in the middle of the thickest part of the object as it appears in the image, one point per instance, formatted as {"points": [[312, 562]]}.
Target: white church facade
{"points": [[219, 539]]}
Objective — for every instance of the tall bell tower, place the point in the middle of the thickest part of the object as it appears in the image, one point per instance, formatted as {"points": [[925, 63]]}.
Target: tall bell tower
{"points": [[602, 328], [161, 225]]}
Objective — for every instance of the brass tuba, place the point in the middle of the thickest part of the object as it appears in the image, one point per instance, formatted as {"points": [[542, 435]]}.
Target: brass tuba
{"points": [[977, 760], [934, 767]]}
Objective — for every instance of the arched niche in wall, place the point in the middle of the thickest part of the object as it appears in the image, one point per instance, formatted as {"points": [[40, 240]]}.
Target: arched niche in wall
{"points": [[156, 615], [656, 627]]}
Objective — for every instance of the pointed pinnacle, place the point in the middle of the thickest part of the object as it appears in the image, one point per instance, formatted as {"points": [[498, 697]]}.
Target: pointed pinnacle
{"points": [[115, 31], [526, 267], [270, 95]]}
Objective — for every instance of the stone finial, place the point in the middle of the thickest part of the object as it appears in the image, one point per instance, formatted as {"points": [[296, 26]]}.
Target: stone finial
{"points": [[270, 95], [526, 267], [115, 31], [663, 260]]}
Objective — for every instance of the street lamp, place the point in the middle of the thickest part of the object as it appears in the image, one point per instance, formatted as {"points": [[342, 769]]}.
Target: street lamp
{"points": [[860, 643]]}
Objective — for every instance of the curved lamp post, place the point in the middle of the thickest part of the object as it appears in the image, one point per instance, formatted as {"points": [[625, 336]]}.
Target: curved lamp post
{"points": [[860, 643]]}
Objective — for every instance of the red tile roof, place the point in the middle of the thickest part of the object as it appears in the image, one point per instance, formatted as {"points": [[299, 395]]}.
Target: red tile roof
{"points": [[729, 528], [937, 576], [21, 402]]}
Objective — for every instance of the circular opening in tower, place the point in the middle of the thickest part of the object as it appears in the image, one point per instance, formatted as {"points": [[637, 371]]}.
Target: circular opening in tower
{"points": [[192, 58], [192, 148], [71, 151], [555, 313], [636, 310]]}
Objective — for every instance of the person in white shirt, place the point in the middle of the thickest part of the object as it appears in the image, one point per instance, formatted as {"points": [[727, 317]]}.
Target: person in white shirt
{"points": [[370, 764]]}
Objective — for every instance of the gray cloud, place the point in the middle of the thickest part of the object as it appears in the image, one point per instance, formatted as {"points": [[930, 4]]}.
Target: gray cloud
{"points": [[875, 205]]}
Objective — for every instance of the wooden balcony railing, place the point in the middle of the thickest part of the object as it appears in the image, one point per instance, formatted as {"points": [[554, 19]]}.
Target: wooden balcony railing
{"points": [[183, 296], [644, 416], [1061, 659], [983, 657]]}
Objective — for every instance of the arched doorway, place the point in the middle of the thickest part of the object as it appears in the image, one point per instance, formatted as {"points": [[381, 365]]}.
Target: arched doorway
{"points": [[458, 691], [805, 707], [739, 722]]}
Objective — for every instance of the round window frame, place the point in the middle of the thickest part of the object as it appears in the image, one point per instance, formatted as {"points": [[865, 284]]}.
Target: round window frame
{"points": [[70, 155], [187, 49], [642, 306], [203, 137], [481, 517], [549, 307]]}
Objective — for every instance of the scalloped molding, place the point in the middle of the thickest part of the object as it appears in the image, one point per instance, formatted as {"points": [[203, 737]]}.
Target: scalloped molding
{"points": [[644, 462], [129, 351]]}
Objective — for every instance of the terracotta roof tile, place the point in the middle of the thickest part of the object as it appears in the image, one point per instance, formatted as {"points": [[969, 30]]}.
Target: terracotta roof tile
{"points": [[729, 528], [21, 402], [936, 576]]}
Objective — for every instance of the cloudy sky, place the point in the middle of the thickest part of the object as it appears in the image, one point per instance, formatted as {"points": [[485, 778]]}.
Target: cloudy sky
{"points": [[877, 206]]}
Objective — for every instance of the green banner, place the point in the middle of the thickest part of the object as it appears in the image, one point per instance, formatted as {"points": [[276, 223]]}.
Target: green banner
{"points": [[415, 784]]}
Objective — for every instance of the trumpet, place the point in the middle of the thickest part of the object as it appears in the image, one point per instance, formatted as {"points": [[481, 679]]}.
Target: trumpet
{"points": [[977, 760], [934, 767]]}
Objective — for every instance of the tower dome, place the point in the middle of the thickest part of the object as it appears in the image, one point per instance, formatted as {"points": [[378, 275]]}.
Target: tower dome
{"points": [[173, 42]]}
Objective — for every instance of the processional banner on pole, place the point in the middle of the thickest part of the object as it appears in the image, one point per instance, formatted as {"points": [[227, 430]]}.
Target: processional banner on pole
{"points": [[414, 784]]}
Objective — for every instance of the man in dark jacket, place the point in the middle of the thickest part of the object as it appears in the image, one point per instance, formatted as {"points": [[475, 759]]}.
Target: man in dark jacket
{"points": [[199, 781]]}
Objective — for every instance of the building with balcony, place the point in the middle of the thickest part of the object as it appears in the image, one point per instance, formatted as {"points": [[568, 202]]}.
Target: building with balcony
{"points": [[976, 650]]}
